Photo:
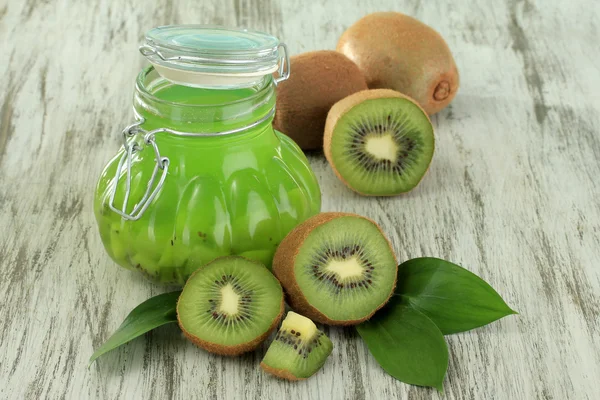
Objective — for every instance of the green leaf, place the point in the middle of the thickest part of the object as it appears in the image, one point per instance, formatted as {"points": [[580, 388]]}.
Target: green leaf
{"points": [[455, 299], [154, 312], [407, 345]]}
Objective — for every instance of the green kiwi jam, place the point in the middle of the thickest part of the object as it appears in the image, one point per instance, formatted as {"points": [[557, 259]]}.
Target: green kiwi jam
{"points": [[233, 194]]}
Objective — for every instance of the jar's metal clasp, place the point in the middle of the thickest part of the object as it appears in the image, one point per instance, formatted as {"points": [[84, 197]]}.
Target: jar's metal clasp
{"points": [[284, 64], [162, 163]]}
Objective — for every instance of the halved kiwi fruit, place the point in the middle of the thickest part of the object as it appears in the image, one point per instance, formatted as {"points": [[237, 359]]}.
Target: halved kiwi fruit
{"points": [[379, 142], [230, 305], [336, 268], [299, 349]]}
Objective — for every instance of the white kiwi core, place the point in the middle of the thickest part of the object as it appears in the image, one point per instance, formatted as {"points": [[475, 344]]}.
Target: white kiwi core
{"points": [[344, 269], [230, 300], [382, 147], [299, 323]]}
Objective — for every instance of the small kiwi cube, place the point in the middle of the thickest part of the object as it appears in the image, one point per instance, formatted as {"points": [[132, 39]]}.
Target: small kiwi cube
{"points": [[299, 350]]}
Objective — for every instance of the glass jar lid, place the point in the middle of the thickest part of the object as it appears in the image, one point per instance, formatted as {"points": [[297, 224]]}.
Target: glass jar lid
{"points": [[214, 56]]}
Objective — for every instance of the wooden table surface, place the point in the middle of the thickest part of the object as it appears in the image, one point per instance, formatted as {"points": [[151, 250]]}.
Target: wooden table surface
{"points": [[512, 194]]}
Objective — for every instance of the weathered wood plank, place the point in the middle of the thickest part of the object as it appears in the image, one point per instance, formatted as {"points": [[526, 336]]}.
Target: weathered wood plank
{"points": [[512, 195]]}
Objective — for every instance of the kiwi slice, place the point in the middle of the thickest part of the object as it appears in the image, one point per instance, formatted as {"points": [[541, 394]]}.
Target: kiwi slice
{"points": [[379, 142], [336, 268], [299, 349], [230, 305]]}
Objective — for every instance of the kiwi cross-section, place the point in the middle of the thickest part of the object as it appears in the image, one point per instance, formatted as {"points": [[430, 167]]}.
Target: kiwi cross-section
{"points": [[299, 349], [230, 305], [379, 142], [336, 268]]}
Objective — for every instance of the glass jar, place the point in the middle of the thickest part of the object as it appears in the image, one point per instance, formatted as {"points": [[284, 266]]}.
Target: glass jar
{"points": [[202, 173]]}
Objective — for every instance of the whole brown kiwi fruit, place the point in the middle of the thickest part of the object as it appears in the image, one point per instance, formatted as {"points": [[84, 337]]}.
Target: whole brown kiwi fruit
{"points": [[317, 81], [336, 268], [398, 52]]}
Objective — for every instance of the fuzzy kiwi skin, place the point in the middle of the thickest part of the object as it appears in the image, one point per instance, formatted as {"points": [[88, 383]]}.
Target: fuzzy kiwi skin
{"points": [[280, 373], [398, 52], [342, 107], [284, 261], [230, 350], [317, 81]]}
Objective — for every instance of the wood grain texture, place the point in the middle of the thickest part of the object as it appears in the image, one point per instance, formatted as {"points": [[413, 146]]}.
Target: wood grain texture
{"points": [[512, 195]]}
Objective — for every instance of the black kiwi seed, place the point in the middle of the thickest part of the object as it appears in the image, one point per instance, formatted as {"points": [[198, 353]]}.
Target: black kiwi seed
{"points": [[293, 338]]}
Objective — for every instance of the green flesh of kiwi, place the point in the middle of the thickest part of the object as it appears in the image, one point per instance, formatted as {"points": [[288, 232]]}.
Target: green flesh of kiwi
{"points": [[346, 269], [298, 350], [382, 146], [230, 305]]}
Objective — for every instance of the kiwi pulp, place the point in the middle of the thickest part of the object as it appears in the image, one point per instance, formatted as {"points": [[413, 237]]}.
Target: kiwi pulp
{"points": [[230, 305], [299, 349], [379, 142], [336, 268]]}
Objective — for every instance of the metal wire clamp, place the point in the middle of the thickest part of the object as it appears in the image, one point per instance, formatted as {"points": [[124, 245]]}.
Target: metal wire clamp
{"points": [[283, 69], [162, 163]]}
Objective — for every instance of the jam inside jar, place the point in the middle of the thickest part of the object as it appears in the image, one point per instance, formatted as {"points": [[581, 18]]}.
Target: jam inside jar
{"points": [[202, 173]]}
